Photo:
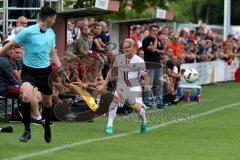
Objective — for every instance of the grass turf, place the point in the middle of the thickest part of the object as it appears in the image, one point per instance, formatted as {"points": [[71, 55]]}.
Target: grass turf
{"points": [[214, 136]]}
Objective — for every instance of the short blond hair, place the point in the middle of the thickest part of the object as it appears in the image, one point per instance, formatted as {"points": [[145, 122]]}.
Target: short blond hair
{"points": [[130, 41]]}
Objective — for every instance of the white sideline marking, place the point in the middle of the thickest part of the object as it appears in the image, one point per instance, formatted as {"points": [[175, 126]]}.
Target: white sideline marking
{"points": [[66, 146], [185, 105]]}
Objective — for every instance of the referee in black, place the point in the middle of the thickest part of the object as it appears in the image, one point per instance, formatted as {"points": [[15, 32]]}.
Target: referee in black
{"points": [[39, 48]]}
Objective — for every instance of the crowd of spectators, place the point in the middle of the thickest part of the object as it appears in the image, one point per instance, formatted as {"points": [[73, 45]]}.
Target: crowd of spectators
{"points": [[185, 46], [88, 60], [198, 45]]}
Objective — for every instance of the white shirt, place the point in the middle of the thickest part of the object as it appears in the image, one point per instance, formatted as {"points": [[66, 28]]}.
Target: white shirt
{"points": [[129, 70]]}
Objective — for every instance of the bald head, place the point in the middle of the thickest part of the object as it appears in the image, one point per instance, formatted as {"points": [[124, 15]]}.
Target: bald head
{"points": [[22, 22]]}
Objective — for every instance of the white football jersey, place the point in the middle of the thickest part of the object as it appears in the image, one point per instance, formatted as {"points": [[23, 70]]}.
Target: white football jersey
{"points": [[129, 70]]}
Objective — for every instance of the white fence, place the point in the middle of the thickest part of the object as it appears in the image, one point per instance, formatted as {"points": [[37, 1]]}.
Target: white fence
{"points": [[215, 71]]}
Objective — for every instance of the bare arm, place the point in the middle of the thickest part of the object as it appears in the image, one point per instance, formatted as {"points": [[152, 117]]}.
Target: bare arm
{"points": [[7, 47], [80, 46], [103, 86], [160, 51], [110, 74], [17, 75], [153, 46], [146, 80], [7, 71], [172, 74], [98, 44], [82, 51], [55, 58], [101, 42]]}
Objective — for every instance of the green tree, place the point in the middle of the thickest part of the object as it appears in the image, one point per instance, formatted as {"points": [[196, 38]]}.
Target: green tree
{"points": [[185, 11], [84, 4], [210, 11], [140, 8], [235, 9]]}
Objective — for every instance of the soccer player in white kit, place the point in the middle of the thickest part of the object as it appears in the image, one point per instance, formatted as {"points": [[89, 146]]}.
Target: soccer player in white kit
{"points": [[130, 69]]}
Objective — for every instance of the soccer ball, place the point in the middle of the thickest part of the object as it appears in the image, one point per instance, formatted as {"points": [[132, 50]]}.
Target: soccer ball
{"points": [[191, 75]]}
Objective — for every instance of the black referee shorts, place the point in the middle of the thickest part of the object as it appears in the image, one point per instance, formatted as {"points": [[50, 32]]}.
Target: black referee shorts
{"points": [[38, 77]]}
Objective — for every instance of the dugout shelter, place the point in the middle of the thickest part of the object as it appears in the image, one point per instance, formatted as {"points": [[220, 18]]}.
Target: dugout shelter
{"points": [[60, 26]]}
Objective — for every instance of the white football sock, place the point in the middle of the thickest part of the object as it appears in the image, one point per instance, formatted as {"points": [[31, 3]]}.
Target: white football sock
{"points": [[37, 117], [142, 116], [112, 113]]}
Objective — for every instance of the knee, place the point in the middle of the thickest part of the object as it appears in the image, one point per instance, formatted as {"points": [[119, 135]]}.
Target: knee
{"points": [[26, 96], [137, 107]]}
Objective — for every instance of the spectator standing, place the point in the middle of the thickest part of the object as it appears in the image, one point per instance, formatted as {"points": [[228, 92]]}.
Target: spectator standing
{"points": [[175, 46], [152, 50], [20, 24], [70, 37], [82, 44], [135, 37], [77, 30]]}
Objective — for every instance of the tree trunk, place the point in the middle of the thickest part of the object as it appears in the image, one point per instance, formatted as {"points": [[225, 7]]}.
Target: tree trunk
{"points": [[194, 4], [207, 12]]}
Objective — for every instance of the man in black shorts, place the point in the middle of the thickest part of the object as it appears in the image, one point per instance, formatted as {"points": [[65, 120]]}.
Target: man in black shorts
{"points": [[39, 46]]}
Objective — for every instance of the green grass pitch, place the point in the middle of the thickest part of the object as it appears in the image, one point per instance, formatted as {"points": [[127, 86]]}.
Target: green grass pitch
{"points": [[189, 131]]}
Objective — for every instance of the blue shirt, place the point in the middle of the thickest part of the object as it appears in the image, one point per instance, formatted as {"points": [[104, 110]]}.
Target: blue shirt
{"points": [[37, 46], [7, 79]]}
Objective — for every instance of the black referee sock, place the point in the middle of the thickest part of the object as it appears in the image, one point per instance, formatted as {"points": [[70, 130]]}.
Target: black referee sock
{"points": [[47, 115], [26, 113], [47, 130]]}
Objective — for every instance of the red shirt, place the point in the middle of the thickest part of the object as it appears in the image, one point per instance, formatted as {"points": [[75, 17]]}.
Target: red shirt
{"points": [[136, 39]]}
